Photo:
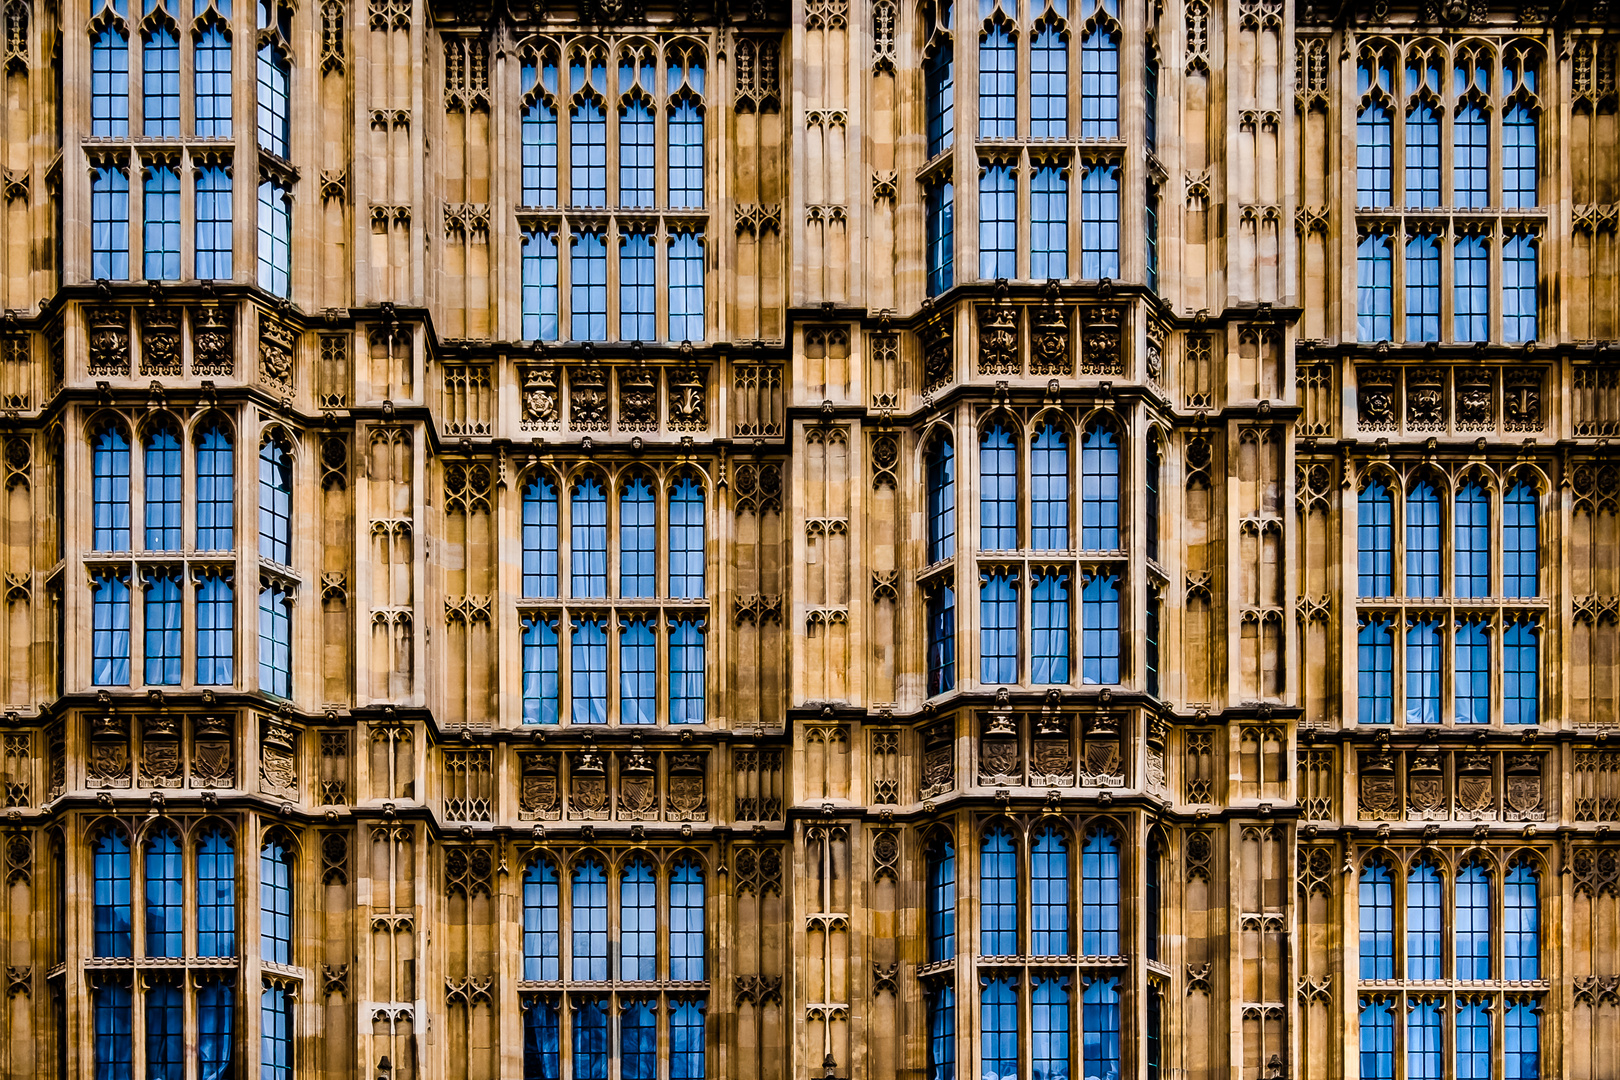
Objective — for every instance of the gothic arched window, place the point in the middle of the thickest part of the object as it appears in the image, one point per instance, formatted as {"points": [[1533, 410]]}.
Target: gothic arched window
{"points": [[1423, 934], [274, 74], [1521, 544], [1375, 139], [1099, 76], [109, 79], [1099, 629], [1153, 901], [1099, 488], [998, 886], [114, 931], [538, 120], [998, 82], [160, 82], [1423, 541], [940, 913], [638, 539], [686, 922], [588, 914], [939, 79], [163, 489], [1471, 554], [1376, 902], [638, 923], [109, 483], [1375, 540], [540, 538], [1049, 893], [275, 902], [999, 636], [1049, 489], [1473, 923], [216, 894], [587, 130], [686, 131], [1521, 924], [941, 499], [540, 922], [998, 1018], [164, 899], [1049, 80], [211, 60], [1099, 894], [216, 489], [998, 489], [587, 515], [686, 540], [275, 501]]}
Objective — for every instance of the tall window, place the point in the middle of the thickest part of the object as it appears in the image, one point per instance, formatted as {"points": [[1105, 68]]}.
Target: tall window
{"points": [[590, 1038], [216, 895], [686, 304], [686, 922], [686, 136], [1099, 488], [587, 275], [216, 490], [588, 539], [1152, 897], [999, 631], [637, 286], [1424, 1050], [1375, 288], [109, 83], [588, 677], [1049, 85], [1521, 925], [686, 540], [1471, 547], [638, 922], [540, 285], [1049, 894], [638, 674], [1049, 616], [998, 85], [275, 640], [111, 912], [109, 223], [687, 1040], [1423, 541], [275, 902], [275, 502], [637, 539], [160, 83], [160, 229], [1099, 894], [1423, 672], [542, 1040], [1099, 77], [1423, 288], [939, 85], [216, 1012], [1473, 919], [998, 490], [1150, 220], [1473, 673], [1519, 138], [588, 914], [1423, 922], [164, 898], [1375, 672], [939, 214], [276, 1034], [998, 222], [636, 133], [1521, 673], [1423, 134], [998, 1021], [1050, 1022], [540, 925], [1473, 1039], [1099, 1025], [162, 626], [941, 639], [1521, 1040], [941, 500], [1099, 629], [1049, 489], [1519, 289], [211, 59], [1521, 546], [638, 1039], [998, 886], [109, 483], [1471, 139], [541, 681], [538, 120], [214, 245], [163, 494], [1471, 297], [113, 1041], [1377, 1039], [109, 634], [941, 1000], [275, 238], [1049, 223], [687, 694], [1099, 222], [1376, 903], [1375, 540], [587, 130], [540, 538], [274, 75], [1374, 133], [940, 913]]}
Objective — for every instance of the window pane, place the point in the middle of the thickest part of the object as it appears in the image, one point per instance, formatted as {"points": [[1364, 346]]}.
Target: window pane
{"points": [[1473, 674], [1049, 223], [216, 895], [588, 675], [160, 229], [160, 83], [939, 213], [1099, 489], [687, 917], [110, 490], [1423, 922], [109, 636], [941, 900], [540, 915], [587, 294], [111, 913], [1375, 658], [1375, 541], [998, 1018], [686, 302], [1049, 613], [109, 84], [1099, 84], [540, 286], [1049, 85], [1423, 288], [1423, 541], [1423, 672], [275, 903], [587, 150], [275, 239], [999, 633], [162, 625], [1473, 943], [1376, 903], [1099, 222], [588, 913], [638, 922], [541, 681], [998, 490], [1099, 895], [163, 490], [1049, 895], [211, 58], [941, 501], [1374, 289], [540, 538], [275, 503], [109, 223], [1471, 295], [998, 886], [941, 640], [637, 288], [1099, 630], [998, 223], [687, 545], [637, 672], [687, 693]]}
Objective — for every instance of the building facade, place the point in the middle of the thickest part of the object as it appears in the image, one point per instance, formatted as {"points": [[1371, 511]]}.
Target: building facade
{"points": [[726, 540]]}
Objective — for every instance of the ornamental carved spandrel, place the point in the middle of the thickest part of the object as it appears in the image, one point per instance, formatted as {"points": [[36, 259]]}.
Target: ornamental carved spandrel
{"points": [[1425, 787], [939, 359], [688, 397], [637, 795], [108, 333], [939, 760], [160, 341], [212, 341]]}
